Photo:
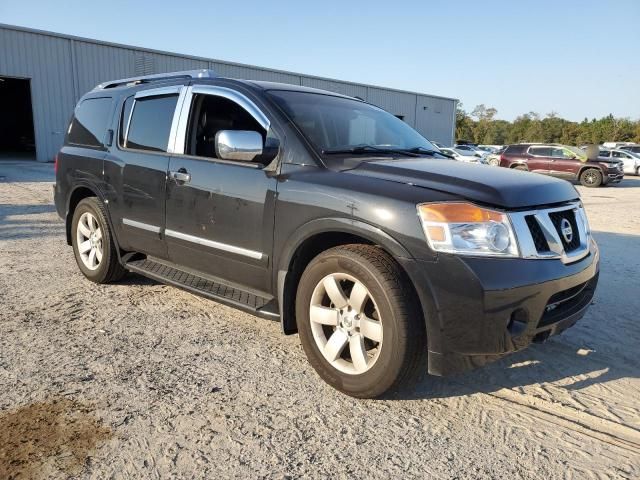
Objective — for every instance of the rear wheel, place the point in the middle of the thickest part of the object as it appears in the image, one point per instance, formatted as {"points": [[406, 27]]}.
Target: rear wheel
{"points": [[93, 244], [591, 177], [358, 325]]}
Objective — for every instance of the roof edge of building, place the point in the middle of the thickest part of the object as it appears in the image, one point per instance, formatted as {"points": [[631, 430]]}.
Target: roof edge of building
{"points": [[207, 59]]}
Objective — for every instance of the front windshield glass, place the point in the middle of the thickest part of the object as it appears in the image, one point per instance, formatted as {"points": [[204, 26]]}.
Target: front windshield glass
{"points": [[335, 123]]}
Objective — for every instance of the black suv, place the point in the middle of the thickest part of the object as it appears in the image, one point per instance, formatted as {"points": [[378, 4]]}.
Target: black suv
{"points": [[327, 214]]}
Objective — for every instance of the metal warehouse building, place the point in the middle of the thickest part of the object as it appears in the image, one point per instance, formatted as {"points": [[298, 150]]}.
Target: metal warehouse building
{"points": [[43, 74]]}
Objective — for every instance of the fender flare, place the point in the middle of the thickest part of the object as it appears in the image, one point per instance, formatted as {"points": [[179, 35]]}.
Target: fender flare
{"points": [[98, 193], [318, 226]]}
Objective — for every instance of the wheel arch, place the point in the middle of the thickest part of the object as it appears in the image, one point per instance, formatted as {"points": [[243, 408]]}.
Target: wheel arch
{"points": [[519, 163], [79, 193], [312, 239]]}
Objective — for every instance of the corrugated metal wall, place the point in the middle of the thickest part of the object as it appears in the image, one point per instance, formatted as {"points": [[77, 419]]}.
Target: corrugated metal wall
{"points": [[62, 68]]}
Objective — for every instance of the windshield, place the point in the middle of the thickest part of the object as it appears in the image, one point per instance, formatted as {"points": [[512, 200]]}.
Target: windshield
{"points": [[340, 124]]}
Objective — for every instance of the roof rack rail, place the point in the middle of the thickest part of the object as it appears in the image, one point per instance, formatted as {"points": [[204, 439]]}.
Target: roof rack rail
{"points": [[204, 73]]}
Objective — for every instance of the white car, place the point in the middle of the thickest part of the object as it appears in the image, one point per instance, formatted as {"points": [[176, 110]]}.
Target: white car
{"points": [[473, 149], [631, 160], [466, 156]]}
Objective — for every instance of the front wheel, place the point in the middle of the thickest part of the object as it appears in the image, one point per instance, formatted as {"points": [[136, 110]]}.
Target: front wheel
{"points": [[358, 324], [591, 177]]}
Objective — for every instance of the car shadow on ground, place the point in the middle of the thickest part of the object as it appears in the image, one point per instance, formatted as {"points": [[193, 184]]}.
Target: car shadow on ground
{"points": [[629, 181], [562, 364], [16, 222], [26, 171]]}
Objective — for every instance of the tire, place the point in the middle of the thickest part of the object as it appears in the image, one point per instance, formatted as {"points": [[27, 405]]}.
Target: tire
{"points": [[521, 168], [638, 171], [387, 333], [591, 177], [98, 260]]}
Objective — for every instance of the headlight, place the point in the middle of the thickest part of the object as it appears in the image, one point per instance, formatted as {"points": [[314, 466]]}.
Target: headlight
{"points": [[467, 229]]}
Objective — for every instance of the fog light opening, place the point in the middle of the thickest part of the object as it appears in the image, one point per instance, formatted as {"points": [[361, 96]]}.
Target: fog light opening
{"points": [[518, 322]]}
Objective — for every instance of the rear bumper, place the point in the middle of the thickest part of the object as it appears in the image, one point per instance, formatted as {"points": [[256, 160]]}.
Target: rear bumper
{"points": [[477, 310]]}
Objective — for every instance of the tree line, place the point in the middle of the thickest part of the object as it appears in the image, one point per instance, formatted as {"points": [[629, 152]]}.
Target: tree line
{"points": [[480, 126]]}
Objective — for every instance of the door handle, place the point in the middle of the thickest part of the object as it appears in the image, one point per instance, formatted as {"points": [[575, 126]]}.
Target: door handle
{"points": [[181, 176]]}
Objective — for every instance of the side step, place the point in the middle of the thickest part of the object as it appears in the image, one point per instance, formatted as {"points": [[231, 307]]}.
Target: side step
{"points": [[232, 296]]}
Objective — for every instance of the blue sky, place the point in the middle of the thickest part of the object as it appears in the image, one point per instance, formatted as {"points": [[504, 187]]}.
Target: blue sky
{"points": [[577, 58]]}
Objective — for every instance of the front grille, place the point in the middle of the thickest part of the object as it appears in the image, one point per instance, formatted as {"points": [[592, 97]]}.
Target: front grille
{"points": [[570, 216], [536, 233]]}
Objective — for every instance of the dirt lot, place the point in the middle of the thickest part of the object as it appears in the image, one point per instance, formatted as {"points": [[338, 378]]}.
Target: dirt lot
{"points": [[141, 380]]}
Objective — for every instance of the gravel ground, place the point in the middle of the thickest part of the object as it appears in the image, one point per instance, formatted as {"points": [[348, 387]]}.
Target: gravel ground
{"points": [[142, 380]]}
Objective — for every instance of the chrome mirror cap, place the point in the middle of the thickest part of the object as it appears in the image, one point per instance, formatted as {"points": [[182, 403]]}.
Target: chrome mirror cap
{"points": [[244, 145]]}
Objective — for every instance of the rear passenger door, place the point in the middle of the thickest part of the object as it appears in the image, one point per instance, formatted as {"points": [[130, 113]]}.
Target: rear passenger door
{"points": [[136, 169], [539, 159]]}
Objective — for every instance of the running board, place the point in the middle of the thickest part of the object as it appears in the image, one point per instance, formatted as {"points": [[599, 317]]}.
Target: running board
{"points": [[233, 296]]}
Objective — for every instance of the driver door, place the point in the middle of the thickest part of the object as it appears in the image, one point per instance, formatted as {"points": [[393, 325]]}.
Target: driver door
{"points": [[219, 213]]}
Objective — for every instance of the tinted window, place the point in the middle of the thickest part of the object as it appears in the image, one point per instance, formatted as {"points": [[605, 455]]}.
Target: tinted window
{"points": [[515, 149], [338, 123], [151, 123], [540, 151], [604, 153], [124, 118], [619, 155], [89, 123]]}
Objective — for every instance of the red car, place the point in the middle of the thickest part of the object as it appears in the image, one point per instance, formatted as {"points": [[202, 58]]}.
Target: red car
{"points": [[562, 161]]}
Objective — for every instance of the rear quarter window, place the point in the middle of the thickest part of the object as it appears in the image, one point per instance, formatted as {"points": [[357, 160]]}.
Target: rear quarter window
{"points": [[515, 149], [89, 123]]}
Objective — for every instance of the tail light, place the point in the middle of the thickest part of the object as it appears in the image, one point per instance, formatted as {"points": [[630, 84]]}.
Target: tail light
{"points": [[55, 164], [501, 158]]}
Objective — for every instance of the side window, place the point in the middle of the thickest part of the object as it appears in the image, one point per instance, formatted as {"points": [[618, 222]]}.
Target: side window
{"points": [[540, 151], [210, 114], [604, 153], [151, 123], [617, 155], [124, 119], [89, 123]]}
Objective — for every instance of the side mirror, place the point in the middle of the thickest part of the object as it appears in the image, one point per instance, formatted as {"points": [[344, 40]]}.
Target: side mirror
{"points": [[244, 145]]}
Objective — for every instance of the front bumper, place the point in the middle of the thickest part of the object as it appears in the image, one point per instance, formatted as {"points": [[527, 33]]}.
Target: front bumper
{"points": [[614, 177], [479, 309]]}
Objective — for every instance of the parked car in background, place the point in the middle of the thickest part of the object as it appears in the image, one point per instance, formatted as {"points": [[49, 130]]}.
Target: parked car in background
{"points": [[463, 155], [493, 159], [471, 148], [614, 145], [562, 161], [488, 149], [631, 160], [631, 148]]}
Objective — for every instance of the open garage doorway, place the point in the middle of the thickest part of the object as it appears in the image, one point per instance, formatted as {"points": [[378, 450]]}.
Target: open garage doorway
{"points": [[17, 140]]}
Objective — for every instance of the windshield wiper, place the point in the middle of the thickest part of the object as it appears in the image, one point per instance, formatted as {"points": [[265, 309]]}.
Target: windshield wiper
{"points": [[364, 149], [428, 151]]}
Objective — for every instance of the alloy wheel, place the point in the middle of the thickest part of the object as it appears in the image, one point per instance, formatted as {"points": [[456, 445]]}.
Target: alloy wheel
{"points": [[89, 241], [590, 178], [346, 323]]}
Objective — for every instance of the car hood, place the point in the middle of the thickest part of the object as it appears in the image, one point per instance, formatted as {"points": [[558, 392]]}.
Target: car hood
{"points": [[501, 187]]}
